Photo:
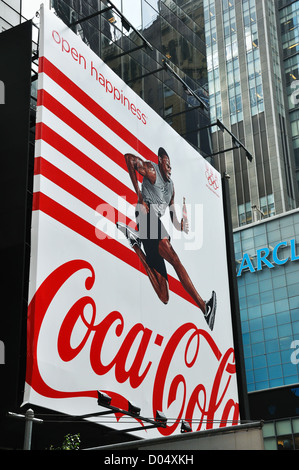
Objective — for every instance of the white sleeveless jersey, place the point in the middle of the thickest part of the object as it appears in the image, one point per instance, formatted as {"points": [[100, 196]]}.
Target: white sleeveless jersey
{"points": [[159, 194]]}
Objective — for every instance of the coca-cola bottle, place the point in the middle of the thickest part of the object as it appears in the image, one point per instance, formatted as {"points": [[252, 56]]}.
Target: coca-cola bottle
{"points": [[185, 217]]}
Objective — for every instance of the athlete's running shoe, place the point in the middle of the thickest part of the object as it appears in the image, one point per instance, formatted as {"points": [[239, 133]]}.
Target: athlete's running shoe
{"points": [[130, 234], [211, 310]]}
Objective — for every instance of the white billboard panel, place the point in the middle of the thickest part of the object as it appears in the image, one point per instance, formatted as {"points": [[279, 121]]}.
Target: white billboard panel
{"points": [[147, 322]]}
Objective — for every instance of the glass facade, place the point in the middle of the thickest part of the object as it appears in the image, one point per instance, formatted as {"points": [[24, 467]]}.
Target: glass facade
{"points": [[175, 29], [253, 57], [232, 61], [289, 24], [268, 284], [246, 82], [212, 60]]}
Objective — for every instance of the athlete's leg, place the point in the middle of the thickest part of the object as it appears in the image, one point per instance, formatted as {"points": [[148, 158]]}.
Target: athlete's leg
{"points": [[159, 283], [167, 252]]}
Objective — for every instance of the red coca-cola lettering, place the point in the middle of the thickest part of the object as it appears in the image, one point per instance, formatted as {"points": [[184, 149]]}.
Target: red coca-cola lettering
{"points": [[215, 400], [37, 310], [138, 339], [67, 353], [65, 350], [207, 411], [120, 358]]}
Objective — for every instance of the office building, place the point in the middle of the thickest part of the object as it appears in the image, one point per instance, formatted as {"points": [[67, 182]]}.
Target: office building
{"points": [[288, 21], [247, 92], [268, 284]]}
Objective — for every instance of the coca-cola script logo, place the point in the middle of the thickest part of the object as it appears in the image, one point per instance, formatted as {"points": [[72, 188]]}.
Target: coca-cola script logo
{"points": [[195, 402]]}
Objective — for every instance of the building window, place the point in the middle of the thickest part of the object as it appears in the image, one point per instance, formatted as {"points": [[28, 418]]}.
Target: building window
{"points": [[232, 61], [245, 214], [253, 57], [281, 434], [212, 62], [267, 205]]}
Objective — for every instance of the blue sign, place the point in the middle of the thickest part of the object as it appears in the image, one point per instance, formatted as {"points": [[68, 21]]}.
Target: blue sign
{"points": [[262, 257]]}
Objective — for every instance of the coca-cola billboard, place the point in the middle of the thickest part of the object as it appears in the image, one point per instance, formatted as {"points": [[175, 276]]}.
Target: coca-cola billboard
{"points": [[129, 289]]}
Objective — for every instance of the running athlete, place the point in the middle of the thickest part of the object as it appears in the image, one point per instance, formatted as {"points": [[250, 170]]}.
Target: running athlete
{"points": [[156, 194]]}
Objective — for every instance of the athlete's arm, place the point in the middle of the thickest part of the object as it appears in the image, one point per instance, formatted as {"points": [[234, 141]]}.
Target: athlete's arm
{"points": [[179, 225], [136, 164]]}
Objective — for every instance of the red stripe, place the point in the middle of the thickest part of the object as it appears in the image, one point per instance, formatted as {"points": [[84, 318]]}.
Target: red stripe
{"points": [[85, 229], [88, 231], [83, 98], [64, 181], [83, 161], [63, 113]]}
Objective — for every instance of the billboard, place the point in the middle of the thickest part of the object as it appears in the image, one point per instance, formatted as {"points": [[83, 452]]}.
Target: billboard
{"points": [[129, 289]]}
